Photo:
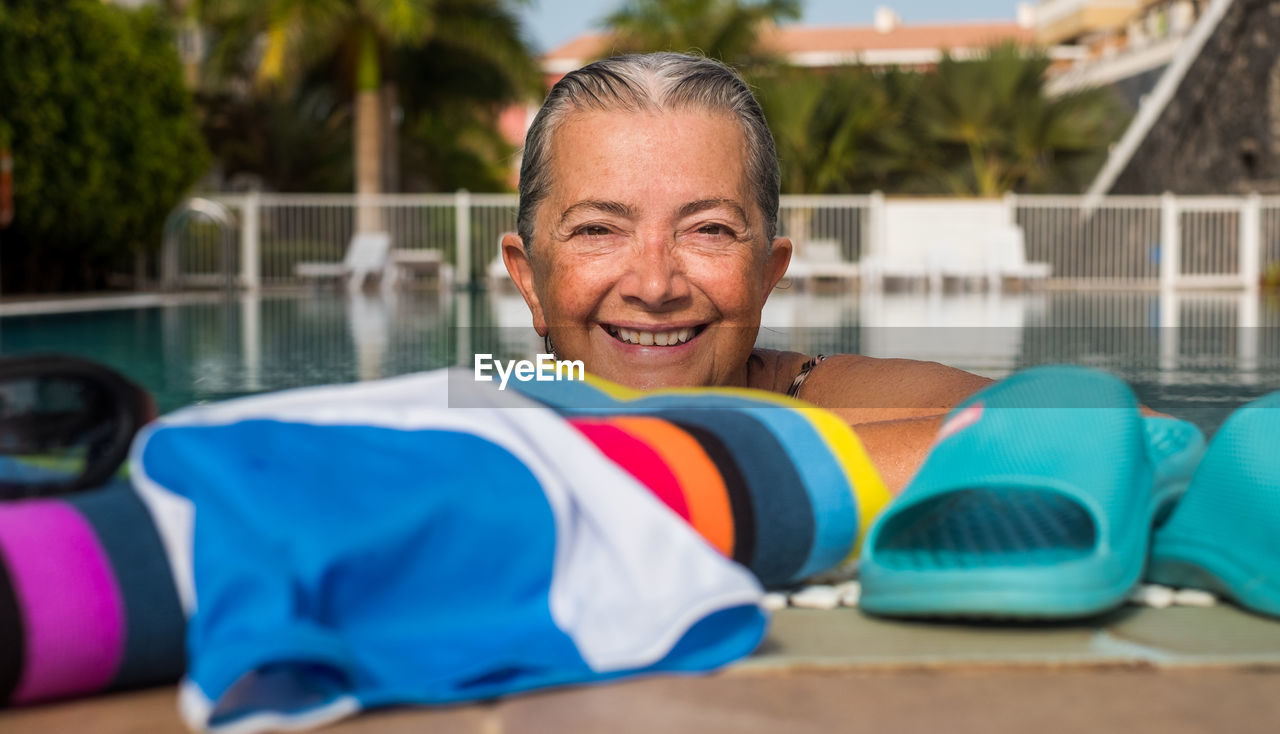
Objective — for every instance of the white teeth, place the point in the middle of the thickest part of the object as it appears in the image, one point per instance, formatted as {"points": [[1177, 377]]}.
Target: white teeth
{"points": [[653, 338]]}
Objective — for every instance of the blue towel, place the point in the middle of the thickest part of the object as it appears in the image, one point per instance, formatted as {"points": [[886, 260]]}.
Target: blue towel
{"points": [[345, 547]]}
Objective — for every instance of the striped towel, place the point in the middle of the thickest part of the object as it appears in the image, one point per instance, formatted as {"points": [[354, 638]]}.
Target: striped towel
{"points": [[346, 547], [425, 539], [782, 487]]}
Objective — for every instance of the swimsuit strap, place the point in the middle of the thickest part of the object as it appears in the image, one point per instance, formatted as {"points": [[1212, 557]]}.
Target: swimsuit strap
{"points": [[805, 369]]}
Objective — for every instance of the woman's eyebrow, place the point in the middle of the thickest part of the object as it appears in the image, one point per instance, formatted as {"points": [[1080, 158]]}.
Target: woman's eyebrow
{"points": [[609, 207], [701, 205]]}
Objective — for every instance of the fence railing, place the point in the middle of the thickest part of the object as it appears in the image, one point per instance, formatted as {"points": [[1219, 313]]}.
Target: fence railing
{"points": [[1129, 242]]}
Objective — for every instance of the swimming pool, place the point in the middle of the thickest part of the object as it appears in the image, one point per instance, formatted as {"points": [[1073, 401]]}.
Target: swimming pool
{"points": [[1195, 355]]}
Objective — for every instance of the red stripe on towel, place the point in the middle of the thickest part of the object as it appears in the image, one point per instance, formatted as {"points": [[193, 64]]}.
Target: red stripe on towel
{"points": [[638, 458], [68, 597]]}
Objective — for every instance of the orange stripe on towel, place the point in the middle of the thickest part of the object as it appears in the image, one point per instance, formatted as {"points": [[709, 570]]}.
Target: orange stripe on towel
{"points": [[705, 492]]}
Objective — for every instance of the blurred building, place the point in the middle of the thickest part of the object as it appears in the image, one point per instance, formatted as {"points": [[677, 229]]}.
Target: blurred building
{"points": [[888, 42], [1211, 122], [1123, 43]]}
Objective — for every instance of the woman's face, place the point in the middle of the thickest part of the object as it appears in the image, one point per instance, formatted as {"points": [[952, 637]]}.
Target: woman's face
{"points": [[649, 261]]}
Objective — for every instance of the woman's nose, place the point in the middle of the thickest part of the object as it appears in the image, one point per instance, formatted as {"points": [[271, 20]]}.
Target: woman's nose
{"points": [[654, 277]]}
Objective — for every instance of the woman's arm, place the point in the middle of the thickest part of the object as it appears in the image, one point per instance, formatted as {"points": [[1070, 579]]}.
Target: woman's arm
{"points": [[894, 405], [869, 390], [898, 447]]}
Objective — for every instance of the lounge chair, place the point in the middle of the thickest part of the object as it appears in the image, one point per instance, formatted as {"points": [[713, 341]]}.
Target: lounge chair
{"points": [[1007, 258], [820, 261], [963, 258], [422, 265], [369, 254], [876, 269]]}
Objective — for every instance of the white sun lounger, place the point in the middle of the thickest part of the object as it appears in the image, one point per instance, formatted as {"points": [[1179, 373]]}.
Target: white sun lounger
{"points": [[368, 255], [820, 261]]}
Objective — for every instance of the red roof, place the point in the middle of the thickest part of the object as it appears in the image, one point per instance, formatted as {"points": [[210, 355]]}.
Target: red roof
{"points": [[586, 46], [800, 39], [793, 40]]}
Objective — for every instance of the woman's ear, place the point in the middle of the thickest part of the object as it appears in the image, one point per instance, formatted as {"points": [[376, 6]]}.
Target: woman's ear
{"points": [[520, 268], [776, 263]]}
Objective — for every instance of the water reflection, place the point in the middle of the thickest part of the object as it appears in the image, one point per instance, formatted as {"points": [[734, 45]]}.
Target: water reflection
{"points": [[1192, 354], [1198, 353]]}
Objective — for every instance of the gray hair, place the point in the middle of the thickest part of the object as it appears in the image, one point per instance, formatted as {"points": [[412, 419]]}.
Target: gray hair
{"points": [[649, 83]]}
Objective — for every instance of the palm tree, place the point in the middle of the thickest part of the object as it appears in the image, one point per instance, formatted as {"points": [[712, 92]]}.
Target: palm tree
{"points": [[300, 141], [841, 131], [728, 30], [997, 130], [1061, 147], [450, 98], [363, 35]]}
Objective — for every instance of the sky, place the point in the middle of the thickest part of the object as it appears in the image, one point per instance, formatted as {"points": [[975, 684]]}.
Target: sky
{"points": [[552, 22]]}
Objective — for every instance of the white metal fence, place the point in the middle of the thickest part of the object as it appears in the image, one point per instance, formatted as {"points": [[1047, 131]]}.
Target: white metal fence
{"points": [[1218, 242], [844, 219]]}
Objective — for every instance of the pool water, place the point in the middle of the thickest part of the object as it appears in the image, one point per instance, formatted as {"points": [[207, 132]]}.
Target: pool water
{"points": [[1197, 356]]}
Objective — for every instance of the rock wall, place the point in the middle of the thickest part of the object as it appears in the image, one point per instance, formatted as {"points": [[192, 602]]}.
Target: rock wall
{"points": [[1220, 134]]}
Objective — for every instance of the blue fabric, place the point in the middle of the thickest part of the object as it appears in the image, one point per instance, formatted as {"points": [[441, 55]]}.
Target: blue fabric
{"points": [[348, 563], [382, 566]]}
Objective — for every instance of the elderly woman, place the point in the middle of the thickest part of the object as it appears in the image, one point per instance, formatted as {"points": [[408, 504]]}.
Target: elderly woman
{"points": [[648, 244]]}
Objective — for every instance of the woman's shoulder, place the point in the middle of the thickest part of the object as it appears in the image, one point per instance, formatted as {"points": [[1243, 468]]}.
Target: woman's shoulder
{"points": [[773, 370], [865, 388]]}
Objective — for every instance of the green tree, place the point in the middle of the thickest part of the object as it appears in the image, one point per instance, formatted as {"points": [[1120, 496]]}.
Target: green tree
{"points": [[104, 139], [842, 131], [299, 141], [451, 99], [972, 128], [359, 40], [728, 30], [994, 129]]}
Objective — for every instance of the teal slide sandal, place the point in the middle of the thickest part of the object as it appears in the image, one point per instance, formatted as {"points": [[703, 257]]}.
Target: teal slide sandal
{"points": [[1224, 534], [1036, 502]]}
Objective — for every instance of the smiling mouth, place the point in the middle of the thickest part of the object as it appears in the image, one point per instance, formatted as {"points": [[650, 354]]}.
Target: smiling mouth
{"points": [[669, 338]]}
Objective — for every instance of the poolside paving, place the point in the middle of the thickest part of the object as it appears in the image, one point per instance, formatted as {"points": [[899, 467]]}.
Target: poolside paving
{"points": [[1220, 635], [1175, 670]]}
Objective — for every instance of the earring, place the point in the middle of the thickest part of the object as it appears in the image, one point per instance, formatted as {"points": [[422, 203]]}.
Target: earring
{"points": [[546, 343]]}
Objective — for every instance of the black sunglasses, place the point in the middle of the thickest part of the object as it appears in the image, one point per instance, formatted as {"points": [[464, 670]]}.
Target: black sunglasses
{"points": [[65, 424]]}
